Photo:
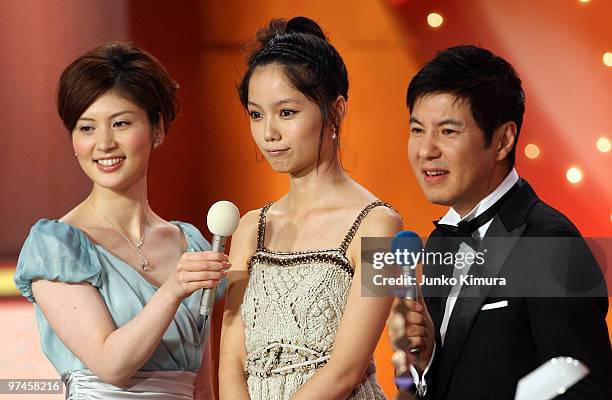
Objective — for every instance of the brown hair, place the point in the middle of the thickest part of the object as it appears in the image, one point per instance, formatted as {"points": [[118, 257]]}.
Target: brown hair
{"points": [[125, 68]]}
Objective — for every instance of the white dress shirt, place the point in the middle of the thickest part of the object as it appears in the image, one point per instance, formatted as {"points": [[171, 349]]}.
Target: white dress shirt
{"points": [[453, 218]]}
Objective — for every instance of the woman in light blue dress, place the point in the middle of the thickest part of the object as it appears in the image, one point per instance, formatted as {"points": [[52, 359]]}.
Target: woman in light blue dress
{"points": [[115, 287]]}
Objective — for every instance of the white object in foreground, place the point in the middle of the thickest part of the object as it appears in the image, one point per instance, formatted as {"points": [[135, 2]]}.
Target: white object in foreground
{"points": [[551, 379]]}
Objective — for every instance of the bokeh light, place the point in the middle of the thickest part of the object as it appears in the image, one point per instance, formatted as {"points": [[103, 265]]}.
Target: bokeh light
{"points": [[604, 145], [573, 175], [434, 20], [532, 151]]}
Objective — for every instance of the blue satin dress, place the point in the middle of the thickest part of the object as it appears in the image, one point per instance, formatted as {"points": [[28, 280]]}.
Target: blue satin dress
{"points": [[57, 251]]}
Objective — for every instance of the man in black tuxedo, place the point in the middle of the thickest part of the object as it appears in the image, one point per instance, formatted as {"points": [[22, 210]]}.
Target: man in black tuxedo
{"points": [[475, 343]]}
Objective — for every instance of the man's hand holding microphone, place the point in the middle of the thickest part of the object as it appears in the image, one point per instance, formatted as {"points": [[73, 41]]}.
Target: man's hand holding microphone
{"points": [[410, 326]]}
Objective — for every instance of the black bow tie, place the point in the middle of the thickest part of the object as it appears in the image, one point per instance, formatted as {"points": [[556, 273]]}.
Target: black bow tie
{"points": [[465, 228]]}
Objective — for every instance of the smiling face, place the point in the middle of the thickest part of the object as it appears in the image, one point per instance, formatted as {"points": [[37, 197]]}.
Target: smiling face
{"points": [[285, 124], [113, 141], [448, 153]]}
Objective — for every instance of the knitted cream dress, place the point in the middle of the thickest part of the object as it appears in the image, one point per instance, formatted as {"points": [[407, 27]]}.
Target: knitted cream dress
{"points": [[291, 311]]}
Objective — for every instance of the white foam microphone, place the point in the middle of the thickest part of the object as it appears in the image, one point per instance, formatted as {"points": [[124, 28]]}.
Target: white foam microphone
{"points": [[222, 220]]}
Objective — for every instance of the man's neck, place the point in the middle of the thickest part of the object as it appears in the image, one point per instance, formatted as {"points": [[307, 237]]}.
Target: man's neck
{"points": [[453, 216]]}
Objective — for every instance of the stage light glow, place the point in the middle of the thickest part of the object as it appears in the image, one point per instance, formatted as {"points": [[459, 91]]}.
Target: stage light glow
{"points": [[532, 151], [607, 58], [434, 20], [604, 145], [584, 1], [573, 175]]}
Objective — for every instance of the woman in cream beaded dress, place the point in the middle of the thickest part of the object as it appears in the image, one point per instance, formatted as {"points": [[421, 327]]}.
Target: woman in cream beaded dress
{"points": [[295, 324]]}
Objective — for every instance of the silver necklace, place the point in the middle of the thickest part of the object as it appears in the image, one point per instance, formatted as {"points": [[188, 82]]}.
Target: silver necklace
{"points": [[145, 265]]}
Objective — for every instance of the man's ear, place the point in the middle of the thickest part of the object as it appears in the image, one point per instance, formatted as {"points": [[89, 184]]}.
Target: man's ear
{"points": [[506, 133]]}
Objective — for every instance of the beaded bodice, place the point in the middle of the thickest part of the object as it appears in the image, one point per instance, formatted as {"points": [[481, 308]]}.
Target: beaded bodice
{"points": [[294, 302]]}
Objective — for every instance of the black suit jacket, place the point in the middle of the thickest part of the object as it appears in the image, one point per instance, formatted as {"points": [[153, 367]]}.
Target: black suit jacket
{"points": [[486, 352]]}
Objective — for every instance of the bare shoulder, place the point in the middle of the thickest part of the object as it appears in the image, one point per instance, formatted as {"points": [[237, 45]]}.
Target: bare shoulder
{"points": [[247, 227], [244, 240], [381, 221]]}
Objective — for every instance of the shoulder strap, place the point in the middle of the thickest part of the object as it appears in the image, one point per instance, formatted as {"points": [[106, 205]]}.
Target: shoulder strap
{"points": [[261, 226], [351, 233]]}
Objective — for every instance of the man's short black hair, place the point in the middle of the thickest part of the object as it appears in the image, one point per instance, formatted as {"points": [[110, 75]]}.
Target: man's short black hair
{"points": [[488, 82]]}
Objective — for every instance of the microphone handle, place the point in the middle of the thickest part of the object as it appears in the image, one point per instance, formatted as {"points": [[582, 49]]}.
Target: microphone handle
{"points": [[208, 295], [411, 290], [404, 380]]}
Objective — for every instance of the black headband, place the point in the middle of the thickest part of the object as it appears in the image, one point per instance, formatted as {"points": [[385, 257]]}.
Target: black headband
{"points": [[276, 47]]}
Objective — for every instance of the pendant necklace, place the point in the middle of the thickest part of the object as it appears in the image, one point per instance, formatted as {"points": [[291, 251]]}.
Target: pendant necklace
{"points": [[145, 265]]}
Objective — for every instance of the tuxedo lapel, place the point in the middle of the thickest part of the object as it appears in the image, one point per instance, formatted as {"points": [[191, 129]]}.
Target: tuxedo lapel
{"points": [[501, 238], [471, 298], [435, 297]]}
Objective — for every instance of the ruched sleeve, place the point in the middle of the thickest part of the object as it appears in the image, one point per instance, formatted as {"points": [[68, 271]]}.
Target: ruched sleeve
{"points": [[57, 251]]}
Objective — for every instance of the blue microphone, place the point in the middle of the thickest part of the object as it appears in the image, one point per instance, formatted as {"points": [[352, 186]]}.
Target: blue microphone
{"points": [[409, 245]]}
